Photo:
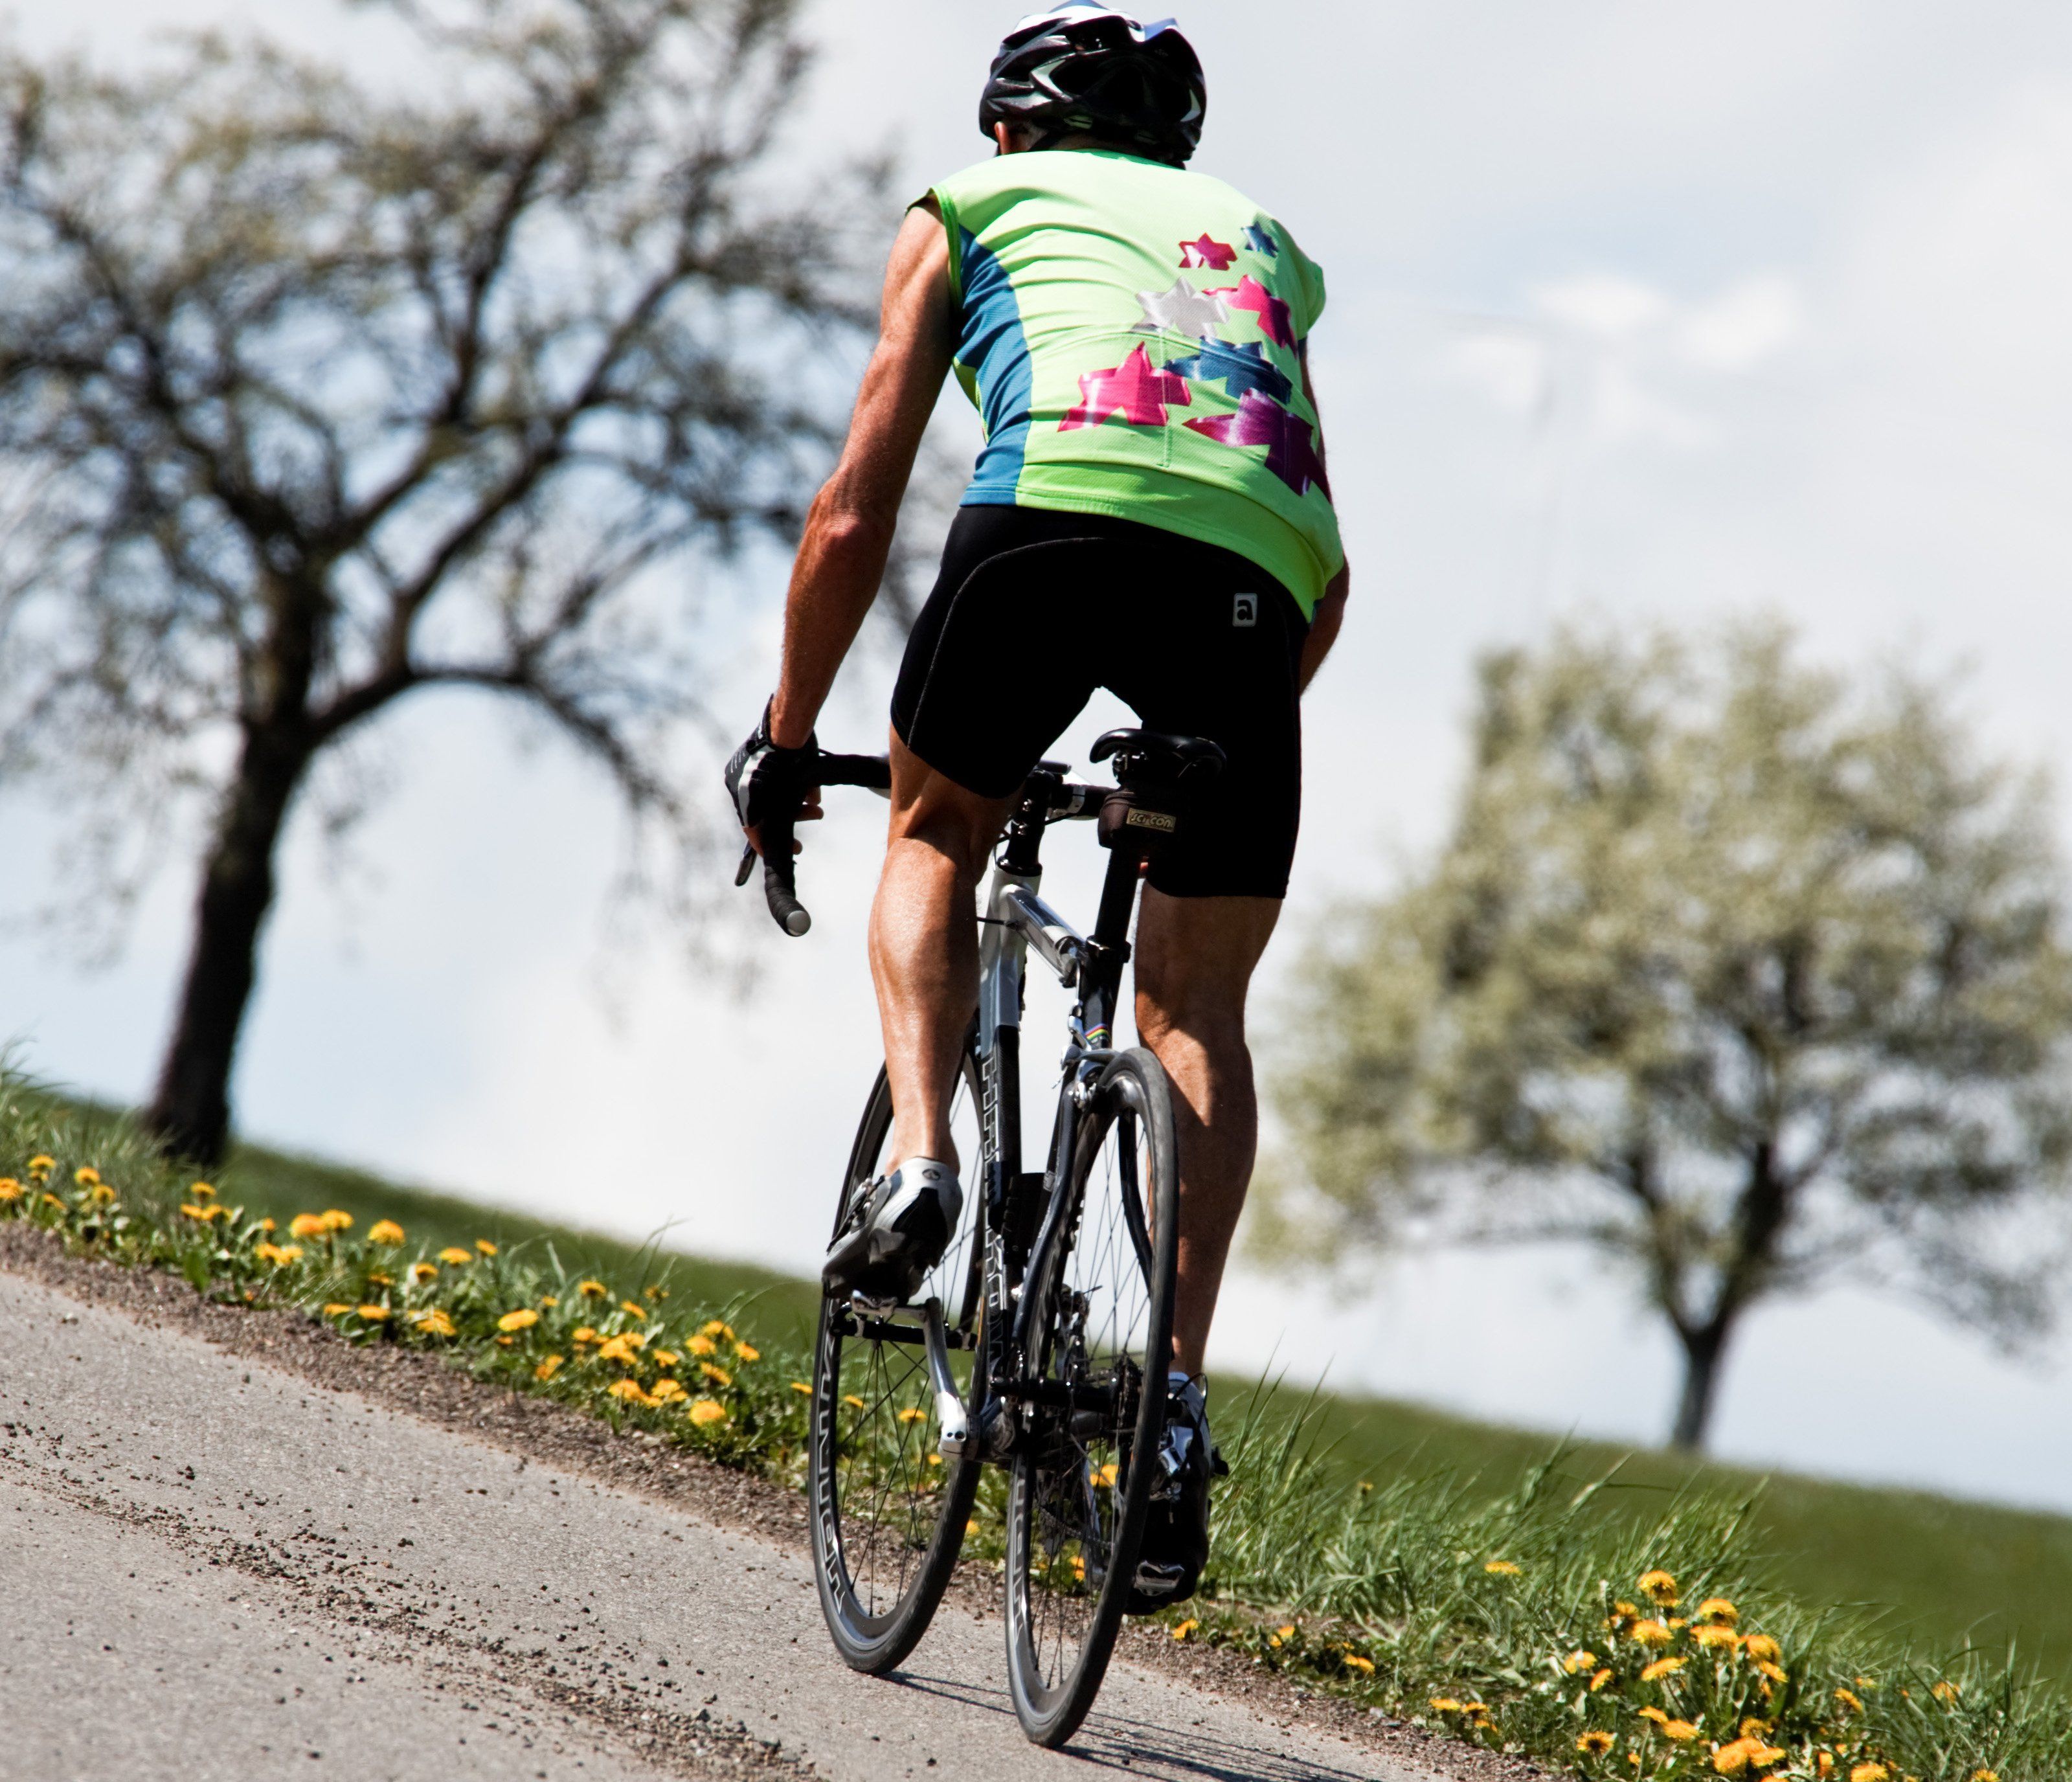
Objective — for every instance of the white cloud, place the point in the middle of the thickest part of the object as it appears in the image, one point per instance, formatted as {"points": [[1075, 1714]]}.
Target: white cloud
{"points": [[1744, 326]]}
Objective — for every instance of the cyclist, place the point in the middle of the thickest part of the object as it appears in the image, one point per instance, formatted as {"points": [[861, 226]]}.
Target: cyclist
{"points": [[1152, 483]]}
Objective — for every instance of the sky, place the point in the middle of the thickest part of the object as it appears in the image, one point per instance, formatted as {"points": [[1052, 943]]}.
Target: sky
{"points": [[1638, 314]]}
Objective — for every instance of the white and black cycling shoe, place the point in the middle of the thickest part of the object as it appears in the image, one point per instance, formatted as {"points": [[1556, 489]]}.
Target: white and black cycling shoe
{"points": [[1175, 1547], [900, 1233]]}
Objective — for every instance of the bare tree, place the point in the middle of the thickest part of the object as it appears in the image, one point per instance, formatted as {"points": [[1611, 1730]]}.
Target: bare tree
{"points": [[318, 395], [1749, 978]]}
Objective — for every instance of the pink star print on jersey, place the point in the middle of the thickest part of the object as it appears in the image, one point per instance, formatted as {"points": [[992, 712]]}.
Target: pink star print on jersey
{"points": [[1217, 256], [1261, 420], [1132, 390], [1248, 294]]}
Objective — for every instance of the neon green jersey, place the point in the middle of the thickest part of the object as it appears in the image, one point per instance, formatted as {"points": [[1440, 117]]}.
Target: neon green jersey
{"points": [[1133, 336]]}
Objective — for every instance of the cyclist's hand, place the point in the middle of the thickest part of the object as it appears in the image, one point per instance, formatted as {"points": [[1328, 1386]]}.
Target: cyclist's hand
{"points": [[764, 781]]}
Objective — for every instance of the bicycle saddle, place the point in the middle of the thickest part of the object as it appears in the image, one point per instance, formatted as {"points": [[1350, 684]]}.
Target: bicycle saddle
{"points": [[1154, 755]]}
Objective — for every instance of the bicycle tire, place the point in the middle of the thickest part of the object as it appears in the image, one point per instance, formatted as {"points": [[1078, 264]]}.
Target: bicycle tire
{"points": [[888, 1524], [1076, 1504]]}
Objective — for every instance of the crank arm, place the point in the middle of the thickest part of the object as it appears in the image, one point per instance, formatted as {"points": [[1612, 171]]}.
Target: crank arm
{"points": [[955, 1435]]}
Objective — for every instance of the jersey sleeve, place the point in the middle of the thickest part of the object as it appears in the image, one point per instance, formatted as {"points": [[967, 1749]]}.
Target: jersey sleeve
{"points": [[953, 229], [1305, 282]]}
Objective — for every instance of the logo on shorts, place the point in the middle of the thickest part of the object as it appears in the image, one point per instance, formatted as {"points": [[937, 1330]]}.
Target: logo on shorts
{"points": [[1244, 610]]}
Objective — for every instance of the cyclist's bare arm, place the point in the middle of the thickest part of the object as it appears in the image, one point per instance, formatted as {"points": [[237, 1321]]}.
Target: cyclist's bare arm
{"points": [[1330, 612], [849, 529]]}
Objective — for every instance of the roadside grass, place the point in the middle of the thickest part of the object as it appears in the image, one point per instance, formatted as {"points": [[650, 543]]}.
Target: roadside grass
{"points": [[1600, 1630]]}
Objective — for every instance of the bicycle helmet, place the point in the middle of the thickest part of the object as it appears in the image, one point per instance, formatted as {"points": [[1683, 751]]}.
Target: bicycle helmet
{"points": [[1084, 68]]}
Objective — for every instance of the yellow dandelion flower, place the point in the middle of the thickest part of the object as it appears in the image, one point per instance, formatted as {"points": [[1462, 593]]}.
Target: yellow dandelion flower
{"points": [[454, 1257], [1660, 1588], [384, 1231], [1364, 1666], [1753, 1728], [1502, 1568], [971, 1527], [1849, 1699], [9, 1188], [1715, 1639], [1580, 1660], [1479, 1709], [104, 1196], [1823, 1763], [264, 1225], [717, 1326], [380, 1279], [1105, 1477], [720, 1377], [524, 1319], [1600, 1680], [745, 1352], [668, 1391], [800, 1386], [307, 1224], [334, 1220], [1681, 1730], [1869, 1772], [912, 1415], [582, 1333], [1985, 1776], [1184, 1628], [202, 1191], [51, 1200], [549, 1299], [1445, 1704], [373, 1313], [657, 1291], [485, 1246], [424, 1271], [1762, 1756], [1945, 1691], [707, 1410], [549, 1367], [666, 1358], [633, 1311], [188, 1210], [1649, 1633], [1732, 1759], [42, 1166], [335, 1309], [1775, 1673], [615, 1348], [1287, 1632], [702, 1344], [1595, 1743], [633, 1390], [1717, 1608], [1762, 1649], [850, 1398], [86, 1175], [1656, 1714], [594, 1289], [434, 1322], [1660, 1668]]}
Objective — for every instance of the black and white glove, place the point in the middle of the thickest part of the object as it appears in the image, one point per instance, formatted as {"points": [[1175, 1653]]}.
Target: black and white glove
{"points": [[764, 781]]}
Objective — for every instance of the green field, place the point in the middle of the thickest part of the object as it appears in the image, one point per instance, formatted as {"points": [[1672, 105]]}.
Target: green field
{"points": [[1949, 1570]]}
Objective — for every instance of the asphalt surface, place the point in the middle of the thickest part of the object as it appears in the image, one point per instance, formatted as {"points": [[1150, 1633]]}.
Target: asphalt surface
{"points": [[211, 1568]]}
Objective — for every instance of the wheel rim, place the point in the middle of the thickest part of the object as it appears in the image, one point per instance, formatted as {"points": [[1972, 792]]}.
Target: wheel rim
{"points": [[882, 1483], [1072, 1493]]}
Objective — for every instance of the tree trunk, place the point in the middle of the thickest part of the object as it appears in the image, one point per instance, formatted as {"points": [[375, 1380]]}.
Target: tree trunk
{"points": [[190, 1114], [1703, 1348]]}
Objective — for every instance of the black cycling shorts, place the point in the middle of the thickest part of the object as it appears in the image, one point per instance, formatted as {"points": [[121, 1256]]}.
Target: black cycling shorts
{"points": [[1034, 609]]}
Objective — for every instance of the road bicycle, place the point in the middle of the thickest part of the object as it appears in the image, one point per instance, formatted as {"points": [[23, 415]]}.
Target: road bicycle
{"points": [[1038, 1345]]}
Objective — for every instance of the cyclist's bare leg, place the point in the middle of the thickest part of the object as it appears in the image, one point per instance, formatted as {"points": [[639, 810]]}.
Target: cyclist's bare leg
{"points": [[924, 945], [1194, 961]]}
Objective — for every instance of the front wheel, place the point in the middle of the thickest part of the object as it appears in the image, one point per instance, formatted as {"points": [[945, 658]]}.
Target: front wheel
{"points": [[889, 1507], [1100, 1337]]}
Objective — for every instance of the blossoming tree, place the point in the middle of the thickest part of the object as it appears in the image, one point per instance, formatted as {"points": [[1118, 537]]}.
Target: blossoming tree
{"points": [[315, 395], [1750, 978]]}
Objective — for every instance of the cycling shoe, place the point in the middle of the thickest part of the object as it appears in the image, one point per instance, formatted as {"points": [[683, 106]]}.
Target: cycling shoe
{"points": [[900, 1233], [1175, 1547]]}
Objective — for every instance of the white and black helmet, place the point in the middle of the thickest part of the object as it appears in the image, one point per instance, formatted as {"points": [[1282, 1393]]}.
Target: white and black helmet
{"points": [[1086, 68]]}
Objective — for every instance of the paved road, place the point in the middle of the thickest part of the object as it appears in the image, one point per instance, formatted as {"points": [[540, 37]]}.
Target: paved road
{"points": [[214, 1569]]}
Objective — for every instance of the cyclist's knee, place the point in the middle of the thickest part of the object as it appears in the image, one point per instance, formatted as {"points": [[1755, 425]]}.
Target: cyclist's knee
{"points": [[933, 810]]}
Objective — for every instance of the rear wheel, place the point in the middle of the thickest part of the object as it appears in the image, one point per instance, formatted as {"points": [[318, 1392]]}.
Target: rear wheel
{"points": [[889, 1508], [1102, 1326]]}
